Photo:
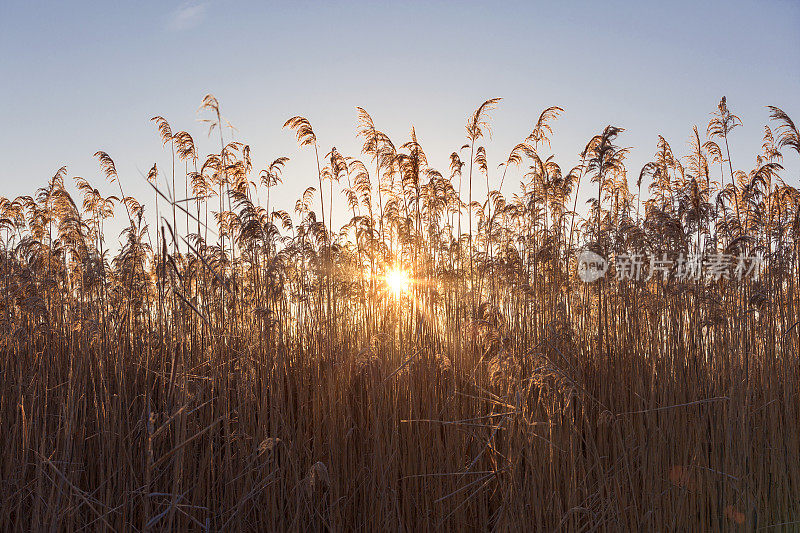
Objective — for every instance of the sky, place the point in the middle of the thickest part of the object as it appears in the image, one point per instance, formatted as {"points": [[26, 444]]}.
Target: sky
{"points": [[81, 77]]}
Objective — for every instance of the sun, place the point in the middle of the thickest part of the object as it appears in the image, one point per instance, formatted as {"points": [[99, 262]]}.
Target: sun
{"points": [[398, 281]]}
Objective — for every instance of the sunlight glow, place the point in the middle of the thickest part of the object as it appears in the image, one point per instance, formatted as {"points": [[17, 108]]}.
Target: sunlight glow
{"points": [[398, 281]]}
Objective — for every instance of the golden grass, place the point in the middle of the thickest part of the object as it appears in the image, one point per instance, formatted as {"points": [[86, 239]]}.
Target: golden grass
{"points": [[269, 379]]}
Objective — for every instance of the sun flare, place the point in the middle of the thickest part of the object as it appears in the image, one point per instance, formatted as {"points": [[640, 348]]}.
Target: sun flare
{"points": [[398, 281]]}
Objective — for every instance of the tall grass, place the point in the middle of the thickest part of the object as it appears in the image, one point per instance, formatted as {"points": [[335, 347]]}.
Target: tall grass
{"points": [[256, 373]]}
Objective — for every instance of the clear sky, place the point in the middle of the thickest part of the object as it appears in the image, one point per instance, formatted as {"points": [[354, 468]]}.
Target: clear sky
{"points": [[80, 77]]}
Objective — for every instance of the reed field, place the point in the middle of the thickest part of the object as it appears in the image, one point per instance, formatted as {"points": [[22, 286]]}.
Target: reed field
{"points": [[406, 348]]}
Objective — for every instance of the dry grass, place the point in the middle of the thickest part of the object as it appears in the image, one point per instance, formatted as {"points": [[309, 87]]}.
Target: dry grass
{"points": [[268, 380]]}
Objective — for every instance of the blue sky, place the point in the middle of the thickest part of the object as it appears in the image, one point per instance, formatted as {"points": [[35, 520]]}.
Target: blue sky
{"points": [[80, 77]]}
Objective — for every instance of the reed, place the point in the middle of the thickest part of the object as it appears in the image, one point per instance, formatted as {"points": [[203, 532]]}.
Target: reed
{"points": [[265, 370]]}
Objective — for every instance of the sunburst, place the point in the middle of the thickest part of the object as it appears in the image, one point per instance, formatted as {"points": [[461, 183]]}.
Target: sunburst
{"points": [[398, 281]]}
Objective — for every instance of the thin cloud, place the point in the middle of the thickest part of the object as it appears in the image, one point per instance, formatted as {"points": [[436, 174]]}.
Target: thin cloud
{"points": [[188, 15]]}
